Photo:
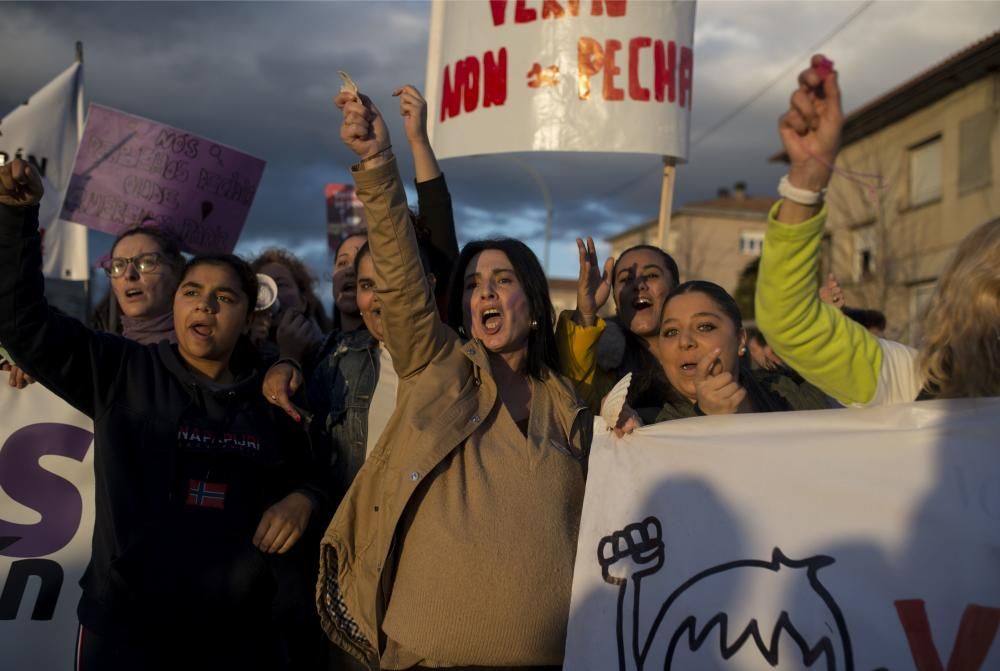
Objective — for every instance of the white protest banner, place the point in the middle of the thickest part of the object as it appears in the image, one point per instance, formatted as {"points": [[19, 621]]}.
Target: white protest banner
{"points": [[560, 75], [46, 524], [44, 131], [845, 539]]}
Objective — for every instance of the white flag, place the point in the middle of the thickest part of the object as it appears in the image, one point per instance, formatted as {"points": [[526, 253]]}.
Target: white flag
{"points": [[45, 130]]}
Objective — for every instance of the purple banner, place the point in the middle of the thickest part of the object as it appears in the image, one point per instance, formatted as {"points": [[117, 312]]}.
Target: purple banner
{"points": [[131, 170]]}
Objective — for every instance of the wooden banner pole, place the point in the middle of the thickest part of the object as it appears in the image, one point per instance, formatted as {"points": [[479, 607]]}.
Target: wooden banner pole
{"points": [[666, 201]]}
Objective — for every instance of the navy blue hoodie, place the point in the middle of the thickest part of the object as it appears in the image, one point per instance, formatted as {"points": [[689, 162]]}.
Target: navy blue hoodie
{"points": [[184, 470]]}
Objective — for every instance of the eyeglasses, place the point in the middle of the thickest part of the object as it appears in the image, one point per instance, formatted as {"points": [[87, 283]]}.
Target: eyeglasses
{"points": [[144, 263]]}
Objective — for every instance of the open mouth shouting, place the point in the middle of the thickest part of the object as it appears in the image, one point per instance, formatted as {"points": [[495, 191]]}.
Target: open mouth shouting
{"points": [[202, 329], [131, 294], [492, 321], [642, 303]]}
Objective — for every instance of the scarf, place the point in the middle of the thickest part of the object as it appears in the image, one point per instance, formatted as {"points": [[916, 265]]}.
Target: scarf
{"points": [[149, 330]]}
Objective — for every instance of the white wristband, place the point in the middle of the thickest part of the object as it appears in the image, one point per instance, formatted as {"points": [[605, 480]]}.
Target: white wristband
{"points": [[800, 196]]}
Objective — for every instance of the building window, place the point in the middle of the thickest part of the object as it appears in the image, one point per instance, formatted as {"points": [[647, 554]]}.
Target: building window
{"points": [[920, 300], [925, 172], [865, 252], [974, 165], [751, 243]]}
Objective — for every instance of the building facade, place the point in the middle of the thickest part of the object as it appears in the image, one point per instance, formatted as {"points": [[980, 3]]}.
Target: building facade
{"points": [[916, 173], [710, 240]]}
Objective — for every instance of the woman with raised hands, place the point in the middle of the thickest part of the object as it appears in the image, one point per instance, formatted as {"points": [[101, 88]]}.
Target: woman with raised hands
{"points": [[455, 544], [959, 355], [595, 353], [703, 350], [201, 485]]}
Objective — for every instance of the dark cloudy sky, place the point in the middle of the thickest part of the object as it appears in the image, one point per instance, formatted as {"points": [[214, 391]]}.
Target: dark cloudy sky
{"points": [[261, 77]]}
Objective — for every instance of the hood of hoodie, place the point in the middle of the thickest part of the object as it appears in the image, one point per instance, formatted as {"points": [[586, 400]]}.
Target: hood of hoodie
{"points": [[245, 364]]}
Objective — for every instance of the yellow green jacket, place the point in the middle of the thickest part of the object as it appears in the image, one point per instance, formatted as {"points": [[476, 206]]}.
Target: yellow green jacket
{"points": [[828, 349]]}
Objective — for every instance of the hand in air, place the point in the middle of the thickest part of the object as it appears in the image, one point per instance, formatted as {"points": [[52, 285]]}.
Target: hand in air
{"points": [[363, 129], [280, 384], [413, 108], [283, 524], [810, 129], [20, 184], [718, 392], [593, 287]]}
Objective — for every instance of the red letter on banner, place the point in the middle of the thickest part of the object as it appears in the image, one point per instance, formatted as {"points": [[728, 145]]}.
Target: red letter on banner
{"points": [[494, 79], [590, 61], [975, 636], [552, 8], [499, 9], [524, 14], [635, 88], [664, 65], [610, 70]]}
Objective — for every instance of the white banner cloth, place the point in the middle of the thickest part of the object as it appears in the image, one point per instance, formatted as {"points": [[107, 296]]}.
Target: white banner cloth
{"points": [[560, 75], [855, 539], [46, 523], [45, 130]]}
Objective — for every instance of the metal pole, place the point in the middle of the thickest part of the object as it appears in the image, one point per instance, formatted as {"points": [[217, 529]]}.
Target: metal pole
{"points": [[546, 196]]}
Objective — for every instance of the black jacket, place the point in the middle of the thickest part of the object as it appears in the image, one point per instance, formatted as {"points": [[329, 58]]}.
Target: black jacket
{"points": [[183, 471]]}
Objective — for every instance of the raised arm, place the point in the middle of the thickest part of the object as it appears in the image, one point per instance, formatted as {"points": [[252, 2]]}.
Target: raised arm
{"points": [[578, 332], [829, 350], [57, 350], [433, 198], [414, 332]]}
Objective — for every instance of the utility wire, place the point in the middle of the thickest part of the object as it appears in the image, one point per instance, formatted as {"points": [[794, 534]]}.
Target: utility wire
{"points": [[632, 183], [784, 73]]}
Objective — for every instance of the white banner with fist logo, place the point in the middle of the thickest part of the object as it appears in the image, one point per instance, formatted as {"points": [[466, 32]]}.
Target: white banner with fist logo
{"points": [[840, 539]]}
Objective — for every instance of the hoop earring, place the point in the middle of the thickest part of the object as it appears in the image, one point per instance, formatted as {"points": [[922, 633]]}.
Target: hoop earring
{"points": [[461, 331]]}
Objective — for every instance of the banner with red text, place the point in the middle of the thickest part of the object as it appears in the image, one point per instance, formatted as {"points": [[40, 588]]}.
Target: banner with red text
{"points": [[560, 75], [46, 523], [840, 539]]}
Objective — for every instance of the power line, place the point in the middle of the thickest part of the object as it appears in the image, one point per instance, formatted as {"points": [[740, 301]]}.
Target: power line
{"points": [[784, 73], [634, 182]]}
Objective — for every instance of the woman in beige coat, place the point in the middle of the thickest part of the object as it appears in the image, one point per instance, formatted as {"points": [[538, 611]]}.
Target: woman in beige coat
{"points": [[455, 545]]}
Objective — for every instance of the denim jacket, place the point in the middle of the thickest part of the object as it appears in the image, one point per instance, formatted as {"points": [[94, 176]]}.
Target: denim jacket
{"points": [[340, 390]]}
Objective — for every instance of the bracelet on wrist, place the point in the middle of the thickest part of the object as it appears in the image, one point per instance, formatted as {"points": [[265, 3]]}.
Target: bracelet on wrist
{"points": [[385, 152], [801, 196]]}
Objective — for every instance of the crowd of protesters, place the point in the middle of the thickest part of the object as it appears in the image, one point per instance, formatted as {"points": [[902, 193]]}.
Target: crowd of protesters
{"points": [[408, 475]]}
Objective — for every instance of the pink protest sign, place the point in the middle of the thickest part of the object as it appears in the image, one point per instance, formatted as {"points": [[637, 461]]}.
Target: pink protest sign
{"points": [[129, 170]]}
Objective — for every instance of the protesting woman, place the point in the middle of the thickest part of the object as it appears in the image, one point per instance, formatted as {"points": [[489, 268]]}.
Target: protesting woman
{"points": [[641, 279], [144, 269], [703, 350], [455, 545], [959, 355], [199, 483]]}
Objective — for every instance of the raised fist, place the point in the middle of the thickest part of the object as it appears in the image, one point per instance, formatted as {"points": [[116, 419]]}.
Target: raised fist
{"points": [[20, 184], [635, 551]]}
